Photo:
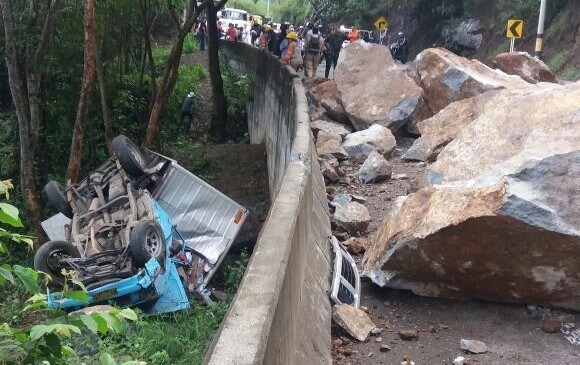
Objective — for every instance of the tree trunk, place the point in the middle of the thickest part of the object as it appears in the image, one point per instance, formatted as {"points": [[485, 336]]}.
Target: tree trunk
{"points": [[20, 97], [104, 107], [86, 91], [171, 67], [220, 109]]}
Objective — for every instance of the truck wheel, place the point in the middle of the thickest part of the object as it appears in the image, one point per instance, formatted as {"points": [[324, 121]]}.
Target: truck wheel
{"points": [[130, 156], [49, 258], [56, 196], [147, 241]]}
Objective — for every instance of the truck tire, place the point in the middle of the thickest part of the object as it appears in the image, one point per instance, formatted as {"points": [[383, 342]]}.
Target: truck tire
{"points": [[48, 259], [130, 156], [147, 241], [56, 196]]}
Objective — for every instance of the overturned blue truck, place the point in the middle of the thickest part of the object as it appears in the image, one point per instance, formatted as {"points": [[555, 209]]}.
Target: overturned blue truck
{"points": [[140, 231]]}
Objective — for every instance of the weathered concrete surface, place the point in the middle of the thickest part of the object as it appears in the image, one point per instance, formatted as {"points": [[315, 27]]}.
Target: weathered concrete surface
{"points": [[281, 313], [373, 89], [525, 66], [501, 220]]}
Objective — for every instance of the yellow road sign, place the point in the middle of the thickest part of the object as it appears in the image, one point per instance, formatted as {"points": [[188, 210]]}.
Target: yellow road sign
{"points": [[515, 28], [381, 23]]}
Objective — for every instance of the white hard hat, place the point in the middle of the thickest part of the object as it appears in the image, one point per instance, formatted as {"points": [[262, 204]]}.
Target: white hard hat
{"points": [[191, 94]]}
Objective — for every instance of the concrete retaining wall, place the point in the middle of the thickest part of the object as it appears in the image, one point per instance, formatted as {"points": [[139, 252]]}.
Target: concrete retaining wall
{"points": [[281, 313]]}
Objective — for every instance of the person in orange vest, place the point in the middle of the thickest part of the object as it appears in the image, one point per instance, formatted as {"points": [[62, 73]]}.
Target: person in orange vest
{"points": [[353, 34], [291, 56]]}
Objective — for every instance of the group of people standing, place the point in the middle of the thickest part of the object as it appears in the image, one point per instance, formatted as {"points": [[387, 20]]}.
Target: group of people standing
{"points": [[303, 48]]}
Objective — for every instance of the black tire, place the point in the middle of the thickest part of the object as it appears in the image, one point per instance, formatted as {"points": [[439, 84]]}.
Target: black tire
{"points": [[56, 196], [48, 259], [130, 156], [147, 241]]}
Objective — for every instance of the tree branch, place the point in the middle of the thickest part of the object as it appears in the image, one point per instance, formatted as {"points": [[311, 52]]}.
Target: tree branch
{"points": [[47, 31]]}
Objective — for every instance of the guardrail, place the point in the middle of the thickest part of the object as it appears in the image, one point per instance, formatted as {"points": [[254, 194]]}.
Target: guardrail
{"points": [[281, 313]]}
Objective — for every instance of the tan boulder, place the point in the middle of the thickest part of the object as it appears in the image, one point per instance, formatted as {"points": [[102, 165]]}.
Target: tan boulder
{"points": [[330, 127], [353, 217], [373, 89], [353, 320], [325, 95], [330, 144], [514, 128], [446, 77], [529, 68], [436, 132], [501, 221]]}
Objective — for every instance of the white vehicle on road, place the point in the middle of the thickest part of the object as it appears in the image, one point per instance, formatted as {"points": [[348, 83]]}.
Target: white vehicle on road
{"points": [[238, 17]]}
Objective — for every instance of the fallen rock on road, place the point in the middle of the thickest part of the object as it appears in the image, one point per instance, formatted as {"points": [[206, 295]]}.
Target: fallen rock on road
{"points": [[446, 77], [529, 68], [501, 219], [359, 145], [473, 346], [353, 217], [373, 89], [375, 169], [354, 321]]}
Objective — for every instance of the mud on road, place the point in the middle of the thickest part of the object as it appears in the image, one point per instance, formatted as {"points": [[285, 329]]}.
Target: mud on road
{"points": [[512, 334]]}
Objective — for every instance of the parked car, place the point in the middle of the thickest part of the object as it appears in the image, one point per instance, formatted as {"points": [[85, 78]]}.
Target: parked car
{"points": [[140, 230]]}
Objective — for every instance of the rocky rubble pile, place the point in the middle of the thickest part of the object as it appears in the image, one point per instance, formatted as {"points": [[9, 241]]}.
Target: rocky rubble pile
{"points": [[500, 217]]}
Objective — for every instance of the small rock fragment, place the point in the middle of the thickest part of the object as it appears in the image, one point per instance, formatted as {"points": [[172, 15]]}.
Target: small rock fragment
{"points": [[408, 335], [459, 360], [353, 320], [385, 348], [379, 339], [552, 325], [356, 245], [375, 169], [473, 346], [377, 331]]}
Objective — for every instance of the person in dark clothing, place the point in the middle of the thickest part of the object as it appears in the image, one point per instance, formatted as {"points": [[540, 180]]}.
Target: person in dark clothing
{"points": [[255, 33], [186, 109], [400, 49], [281, 37], [202, 35], [333, 44]]}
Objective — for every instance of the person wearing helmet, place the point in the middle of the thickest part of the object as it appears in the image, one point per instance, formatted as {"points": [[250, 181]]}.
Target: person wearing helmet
{"points": [[400, 49], [291, 56], [268, 39], [186, 108]]}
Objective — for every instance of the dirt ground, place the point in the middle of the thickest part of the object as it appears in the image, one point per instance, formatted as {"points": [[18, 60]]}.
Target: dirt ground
{"points": [[242, 174], [512, 335]]}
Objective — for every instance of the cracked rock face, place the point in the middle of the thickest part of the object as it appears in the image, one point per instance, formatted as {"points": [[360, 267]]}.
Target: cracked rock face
{"points": [[501, 219], [446, 77], [373, 89]]}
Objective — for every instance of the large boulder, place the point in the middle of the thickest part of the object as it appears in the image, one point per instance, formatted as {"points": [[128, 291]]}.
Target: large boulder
{"points": [[446, 77], [360, 144], [529, 68], [464, 39], [373, 89], [436, 132], [501, 219], [325, 95]]}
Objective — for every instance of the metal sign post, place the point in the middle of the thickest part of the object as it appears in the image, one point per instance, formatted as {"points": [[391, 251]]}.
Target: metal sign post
{"points": [[540, 37], [515, 29]]}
